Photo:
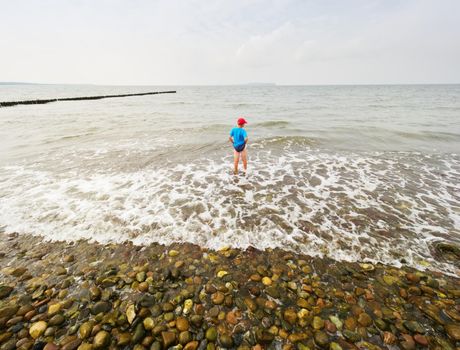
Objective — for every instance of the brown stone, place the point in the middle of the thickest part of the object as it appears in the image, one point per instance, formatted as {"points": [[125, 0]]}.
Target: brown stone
{"points": [[169, 338], [389, 338], [231, 318], [412, 277], [408, 342], [364, 320], [193, 345], [217, 298], [330, 327], [182, 324], [453, 330], [290, 316], [72, 345], [143, 287], [420, 339], [350, 324]]}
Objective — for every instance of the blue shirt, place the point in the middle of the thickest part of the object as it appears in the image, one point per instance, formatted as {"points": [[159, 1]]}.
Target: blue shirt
{"points": [[239, 135]]}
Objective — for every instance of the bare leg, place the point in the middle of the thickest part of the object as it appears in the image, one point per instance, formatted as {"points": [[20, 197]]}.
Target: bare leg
{"points": [[236, 160], [244, 156]]}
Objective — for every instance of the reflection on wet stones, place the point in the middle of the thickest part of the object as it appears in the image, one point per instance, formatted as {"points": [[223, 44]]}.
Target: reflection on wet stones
{"points": [[235, 299]]}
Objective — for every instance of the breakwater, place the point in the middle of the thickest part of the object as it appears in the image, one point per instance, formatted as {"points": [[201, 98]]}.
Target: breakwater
{"points": [[43, 101]]}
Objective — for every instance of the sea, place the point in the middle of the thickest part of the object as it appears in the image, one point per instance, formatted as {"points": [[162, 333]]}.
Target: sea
{"points": [[355, 173]]}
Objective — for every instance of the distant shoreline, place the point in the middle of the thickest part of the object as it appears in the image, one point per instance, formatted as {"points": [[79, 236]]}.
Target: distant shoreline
{"points": [[236, 85]]}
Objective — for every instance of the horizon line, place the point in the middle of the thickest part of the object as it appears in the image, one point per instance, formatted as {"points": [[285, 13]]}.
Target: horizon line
{"points": [[252, 84]]}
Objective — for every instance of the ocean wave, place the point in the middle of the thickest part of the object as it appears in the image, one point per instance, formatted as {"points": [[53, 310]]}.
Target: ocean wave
{"points": [[430, 135], [387, 207], [272, 123]]}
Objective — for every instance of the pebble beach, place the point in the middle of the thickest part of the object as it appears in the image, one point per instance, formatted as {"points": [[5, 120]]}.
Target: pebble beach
{"points": [[122, 225], [83, 295]]}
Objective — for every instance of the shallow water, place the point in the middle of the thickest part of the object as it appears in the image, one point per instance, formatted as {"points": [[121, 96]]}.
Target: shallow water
{"points": [[353, 172]]}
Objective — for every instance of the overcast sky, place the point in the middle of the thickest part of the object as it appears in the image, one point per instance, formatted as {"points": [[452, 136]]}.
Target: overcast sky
{"points": [[230, 41]]}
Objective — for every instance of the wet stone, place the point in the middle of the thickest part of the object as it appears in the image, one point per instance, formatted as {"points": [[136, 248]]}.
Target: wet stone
{"points": [[185, 337], [351, 336], [336, 321], [453, 330], [193, 345], [101, 340], [350, 324], [37, 329], [408, 342], [23, 344], [267, 281], [140, 276], [85, 330], [414, 327], [167, 307], [317, 323], [143, 287], [148, 323], [381, 324], [56, 320], [60, 270], [335, 346], [50, 332], [217, 298], [94, 293], [4, 336], [273, 292], [156, 345], [8, 311], [169, 338], [72, 345], [182, 324], [226, 341], [290, 316], [196, 320], [213, 312], [364, 320], [18, 271], [139, 334], [211, 334], [412, 277], [420, 339], [51, 346], [69, 258], [5, 291], [321, 338], [330, 327], [9, 345], [101, 307], [389, 338]]}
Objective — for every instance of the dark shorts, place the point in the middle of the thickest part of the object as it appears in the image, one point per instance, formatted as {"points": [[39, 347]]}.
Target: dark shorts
{"points": [[240, 148]]}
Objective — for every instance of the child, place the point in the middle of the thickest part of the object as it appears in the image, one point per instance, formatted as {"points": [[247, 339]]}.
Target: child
{"points": [[239, 138]]}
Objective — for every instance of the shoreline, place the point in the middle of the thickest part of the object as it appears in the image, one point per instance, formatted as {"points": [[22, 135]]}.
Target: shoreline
{"points": [[85, 295]]}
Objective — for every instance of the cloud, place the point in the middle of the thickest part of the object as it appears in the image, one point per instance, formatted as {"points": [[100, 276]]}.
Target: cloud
{"points": [[272, 48], [226, 42]]}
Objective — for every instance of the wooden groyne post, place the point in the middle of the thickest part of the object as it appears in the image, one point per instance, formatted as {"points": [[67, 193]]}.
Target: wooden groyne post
{"points": [[34, 102]]}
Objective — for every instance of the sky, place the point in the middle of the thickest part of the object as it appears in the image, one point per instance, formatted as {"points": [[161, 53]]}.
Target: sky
{"points": [[218, 42]]}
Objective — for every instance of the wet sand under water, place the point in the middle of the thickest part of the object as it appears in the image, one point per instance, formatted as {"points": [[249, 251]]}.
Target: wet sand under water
{"points": [[82, 295]]}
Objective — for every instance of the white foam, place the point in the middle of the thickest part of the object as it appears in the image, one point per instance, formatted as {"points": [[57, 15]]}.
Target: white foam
{"points": [[350, 207]]}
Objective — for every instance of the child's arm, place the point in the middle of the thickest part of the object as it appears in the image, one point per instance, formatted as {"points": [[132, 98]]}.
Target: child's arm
{"points": [[230, 139]]}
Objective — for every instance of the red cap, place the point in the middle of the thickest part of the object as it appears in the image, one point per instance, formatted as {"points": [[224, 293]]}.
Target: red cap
{"points": [[241, 121]]}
